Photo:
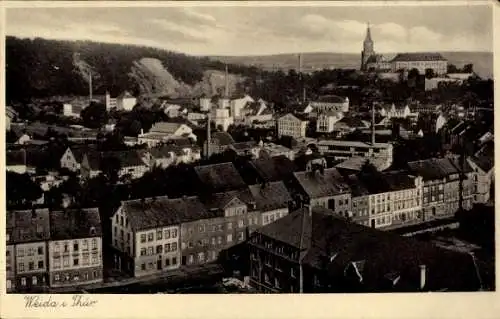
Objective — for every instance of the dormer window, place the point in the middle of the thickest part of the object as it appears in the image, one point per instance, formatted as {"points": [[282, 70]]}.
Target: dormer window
{"points": [[92, 231]]}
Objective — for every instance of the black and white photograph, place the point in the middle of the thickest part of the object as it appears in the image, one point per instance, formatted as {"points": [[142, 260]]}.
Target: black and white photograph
{"points": [[248, 149]]}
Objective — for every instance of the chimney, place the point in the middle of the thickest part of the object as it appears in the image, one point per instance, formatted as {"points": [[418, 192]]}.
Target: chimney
{"points": [[226, 86], [423, 274], [209, 138], [142, 131]]}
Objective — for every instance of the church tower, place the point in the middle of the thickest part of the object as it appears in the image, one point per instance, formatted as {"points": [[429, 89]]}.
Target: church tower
{"points": [[367, 48]]}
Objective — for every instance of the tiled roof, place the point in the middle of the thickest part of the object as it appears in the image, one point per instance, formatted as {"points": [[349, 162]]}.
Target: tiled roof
{"points": [[274, 169], [29, 225], [270, 196], [357, 188], [465, 168], [165, 127], [322, 184], [424, 56], [219, 177], [336, 243], [382, 182], [127, 158], [222, 138], [244, 145], [485, 163], [75, 223], [162, 211], [357, 162], [330, 99], [219, 201], [433, 168]]}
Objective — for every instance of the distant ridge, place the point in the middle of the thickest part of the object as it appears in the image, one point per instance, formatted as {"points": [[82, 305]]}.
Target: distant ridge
{"points": [[482, 61]]}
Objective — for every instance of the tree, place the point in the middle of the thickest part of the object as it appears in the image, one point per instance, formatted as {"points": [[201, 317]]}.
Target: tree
{"points": [[95, 115], [368, 168], [21, 190], [429, 73], [413, 73], [110, 166], [468, 68], [452, 68]]}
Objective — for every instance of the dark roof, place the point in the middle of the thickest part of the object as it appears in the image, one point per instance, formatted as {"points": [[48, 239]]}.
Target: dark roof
{"points": [[322, 184], [75, 223], [270, 196], [16, 157], [419, 56], [219, 201], [485, 163], [351, 122], [221, 138], [219, 177], [357, 188], [433, 168], [244, 145], [162, 211], [465, 168], [330, 99], [274, 169], [337, 243], [127, 158], [381, 182], [29, 225]]}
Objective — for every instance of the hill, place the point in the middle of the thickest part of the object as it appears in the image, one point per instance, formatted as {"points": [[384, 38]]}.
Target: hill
{"points": [[41, 68], [482, 61]]}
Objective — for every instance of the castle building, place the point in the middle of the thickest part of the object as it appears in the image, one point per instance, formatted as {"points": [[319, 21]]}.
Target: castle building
{"points": [[370, 61]]}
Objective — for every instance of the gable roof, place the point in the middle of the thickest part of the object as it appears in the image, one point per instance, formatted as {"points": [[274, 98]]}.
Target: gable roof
{"points": [[270, 196], [418, 56], [330, 99], [221, 138], [382, 182], [165, 127], [75, 223], [127, 158], [274, 169], [318, 184], [29, 225], [433, 168], [219, 177], [220, 201], [486, 163]]}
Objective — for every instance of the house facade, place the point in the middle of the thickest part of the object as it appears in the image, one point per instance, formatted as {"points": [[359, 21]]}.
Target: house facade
{"points": [[291, 125], [484, 172], [326, 121], [75, 247]]}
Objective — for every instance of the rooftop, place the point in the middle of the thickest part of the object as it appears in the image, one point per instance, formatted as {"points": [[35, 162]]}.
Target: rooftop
{"points": [[330, 99], [322, 183], [29, 225], [352, 143], [418, 56], [433, 168], [270, 196], [219, 177], [75, 223], [274, 169], [222, 138]]}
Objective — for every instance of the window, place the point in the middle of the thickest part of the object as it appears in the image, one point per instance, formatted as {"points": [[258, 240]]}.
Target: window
{"points": [[40, 250], [143, 266], [31, 265], [21, 266], [167, 262], [94, 243], [57, 263], [159, 235], [167, 248], [151, 236], [190, 245], [31, 251], [174, 233], [143, 238], [20, 252], [75, 246], [66, 261], [241, 236], [167, 234], [241, 223], [219, 240], [121, 220], [201, 257], [229, 238], [75, 262], [23, 281], [40, 264], [150, 251], [85, 259], [213, 240], [229, 226], [85, 245], [66, 249], [173, 247], [94, 259], [174, 261]]}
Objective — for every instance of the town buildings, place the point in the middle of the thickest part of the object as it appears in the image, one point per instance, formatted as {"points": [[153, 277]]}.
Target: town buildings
{"points": [[317, 251], [219, 142], [345, 149], [325, 122], [329, 103], [272, 199], [125, 101], [292, 125], [75, 247], [484, 175], [163, 131]]}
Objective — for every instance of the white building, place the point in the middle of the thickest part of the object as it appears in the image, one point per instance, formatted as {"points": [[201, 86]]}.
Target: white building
{"points": [[238, 104], [326, 121], [222, 117], [292, 125]]}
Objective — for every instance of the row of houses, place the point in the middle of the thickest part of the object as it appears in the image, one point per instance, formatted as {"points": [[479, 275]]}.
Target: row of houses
{"points": [[53, 248]]}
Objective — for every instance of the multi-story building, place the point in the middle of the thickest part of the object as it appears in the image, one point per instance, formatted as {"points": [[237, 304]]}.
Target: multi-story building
{"points": [[325, 188], [272, 200], [329, 103], [222, 220], [440, 192], [166, 155], [10, 252], [162, 132], [292, 125], [75, 247], [421, 62], [484, 174], [145, 235], [219, 142], [394, 199], [466, 181], [346, 149], [360, 201], [325, 122], [316, 251], [29, 238]]}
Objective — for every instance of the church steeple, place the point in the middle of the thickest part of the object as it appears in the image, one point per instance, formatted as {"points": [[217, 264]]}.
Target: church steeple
{"points": [[367, 48], [368, 37]]}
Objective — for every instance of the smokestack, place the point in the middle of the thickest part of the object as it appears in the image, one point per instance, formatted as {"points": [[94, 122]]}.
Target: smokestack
{"points": [[423, 274], [209, 138], [373, 123], [301, 79], [300, 64], [90, 86], [226, 86]]}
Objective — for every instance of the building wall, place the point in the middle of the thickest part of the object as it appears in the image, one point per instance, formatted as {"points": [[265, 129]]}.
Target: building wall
{"points": [[126, 104], [10, 262], [205, 104], [68, 161], [439, 67], [339, 204], [203, 240], [360, 208], [325, 123], [31, 265], [291, 127], [157, 250], [482, 183], [19, 169], [273, 215], [75, 261], [134, 171]]}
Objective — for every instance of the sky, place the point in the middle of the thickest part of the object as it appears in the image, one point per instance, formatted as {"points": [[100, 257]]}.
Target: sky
{"points": [[237, 30]]}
